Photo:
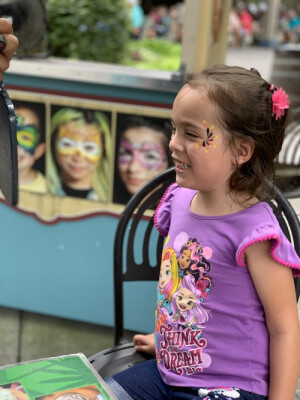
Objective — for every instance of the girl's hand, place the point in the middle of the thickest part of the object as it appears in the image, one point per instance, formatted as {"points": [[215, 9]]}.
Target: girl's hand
{"points": [[145, 343], [11, 47]]}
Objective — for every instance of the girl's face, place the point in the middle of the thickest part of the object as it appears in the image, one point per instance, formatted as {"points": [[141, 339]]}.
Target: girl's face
{"points": [[141, 157], [78, 151], [185, 300], [184, 259], [203, 160], [165, 273]]}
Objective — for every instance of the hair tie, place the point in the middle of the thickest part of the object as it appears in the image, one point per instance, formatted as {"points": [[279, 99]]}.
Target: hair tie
{"points": [[255, 71], [280, 101]]}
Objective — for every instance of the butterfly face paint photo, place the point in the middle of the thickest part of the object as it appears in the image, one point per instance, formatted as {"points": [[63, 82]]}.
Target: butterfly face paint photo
{"points": [[141, 156]]}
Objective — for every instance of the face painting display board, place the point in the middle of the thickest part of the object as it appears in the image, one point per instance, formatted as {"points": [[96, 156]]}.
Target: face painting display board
{"points": [[56, 244]]}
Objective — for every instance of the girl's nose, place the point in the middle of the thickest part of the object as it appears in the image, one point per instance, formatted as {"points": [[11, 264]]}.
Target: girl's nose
{"points": [[77, 155], [175, 142], [134, 164]]}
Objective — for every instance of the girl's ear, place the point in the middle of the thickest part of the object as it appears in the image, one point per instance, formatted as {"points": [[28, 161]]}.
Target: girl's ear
{"points": [[243, 152]]}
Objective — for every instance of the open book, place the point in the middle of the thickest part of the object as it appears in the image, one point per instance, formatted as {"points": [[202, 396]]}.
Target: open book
{"points": [[69, 377]]}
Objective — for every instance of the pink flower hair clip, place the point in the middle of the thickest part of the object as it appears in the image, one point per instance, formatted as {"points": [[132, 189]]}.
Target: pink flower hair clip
{"points": [[280, 101]]}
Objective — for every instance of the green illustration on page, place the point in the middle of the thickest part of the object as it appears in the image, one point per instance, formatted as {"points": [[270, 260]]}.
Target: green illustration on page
{"points": [[69, 377]]}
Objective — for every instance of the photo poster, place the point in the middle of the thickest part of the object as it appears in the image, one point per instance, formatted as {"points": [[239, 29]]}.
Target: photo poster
{"points": [[80, 152], [95, 151], [142, 152], [69, 377], [31, 139]]}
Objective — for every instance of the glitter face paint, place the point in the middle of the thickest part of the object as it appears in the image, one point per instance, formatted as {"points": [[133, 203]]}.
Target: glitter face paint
{"points": [[149, 155]]}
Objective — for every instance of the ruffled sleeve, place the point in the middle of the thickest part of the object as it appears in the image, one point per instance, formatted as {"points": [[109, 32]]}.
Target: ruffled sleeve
{"points": [[282, 251], [162, 214]]}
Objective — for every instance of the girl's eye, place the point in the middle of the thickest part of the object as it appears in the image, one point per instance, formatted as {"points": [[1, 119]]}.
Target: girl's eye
{"points": [[25, 138], [192, 135], [67, 143], [150, 156], [125, 152]]}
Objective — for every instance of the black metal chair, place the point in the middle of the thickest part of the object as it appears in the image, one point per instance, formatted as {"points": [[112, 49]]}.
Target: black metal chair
{"points": [[127, 268]]}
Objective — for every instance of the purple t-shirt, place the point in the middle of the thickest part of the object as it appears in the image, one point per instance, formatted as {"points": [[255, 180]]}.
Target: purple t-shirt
{"points": [[210, 324]]}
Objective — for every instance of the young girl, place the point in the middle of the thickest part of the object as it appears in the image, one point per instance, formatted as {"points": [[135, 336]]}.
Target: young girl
{"points": [[228, 126]]}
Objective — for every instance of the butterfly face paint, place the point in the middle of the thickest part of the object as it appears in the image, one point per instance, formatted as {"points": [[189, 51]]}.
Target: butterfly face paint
{"points": [[210, 137], [149, 155], [27, 137], [70, 141]]}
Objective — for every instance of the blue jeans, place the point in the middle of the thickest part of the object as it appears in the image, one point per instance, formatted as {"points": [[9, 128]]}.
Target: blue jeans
{"points": [[143, 382]]}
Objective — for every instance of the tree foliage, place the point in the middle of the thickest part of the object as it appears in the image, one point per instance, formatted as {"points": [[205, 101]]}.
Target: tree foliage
{"points": [[96, 30]]}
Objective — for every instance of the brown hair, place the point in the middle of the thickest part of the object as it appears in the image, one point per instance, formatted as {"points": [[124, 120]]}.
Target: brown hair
{"points": [[244, 102]]}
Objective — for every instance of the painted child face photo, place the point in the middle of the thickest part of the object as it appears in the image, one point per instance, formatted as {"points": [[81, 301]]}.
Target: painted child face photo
{"points": [[78, 151], [29, 149], [141, 156], [13, 391], [90, 392]]}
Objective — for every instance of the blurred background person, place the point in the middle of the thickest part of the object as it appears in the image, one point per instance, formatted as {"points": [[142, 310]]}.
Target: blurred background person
{"points": [[136, 18], [246, 20], [234, 29]]}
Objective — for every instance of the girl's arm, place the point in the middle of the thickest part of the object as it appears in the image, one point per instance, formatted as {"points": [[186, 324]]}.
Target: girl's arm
{"points": [[145, 343], [275, 287]]}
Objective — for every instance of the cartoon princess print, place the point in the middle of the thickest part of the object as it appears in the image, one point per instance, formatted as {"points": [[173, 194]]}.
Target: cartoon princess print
{"points": [[186, 307], [191, 260], [168, 283]]}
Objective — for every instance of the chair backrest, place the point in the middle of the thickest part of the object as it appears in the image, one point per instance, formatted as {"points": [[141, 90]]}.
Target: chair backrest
{"points": [[136, 222], [289, 223]]}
